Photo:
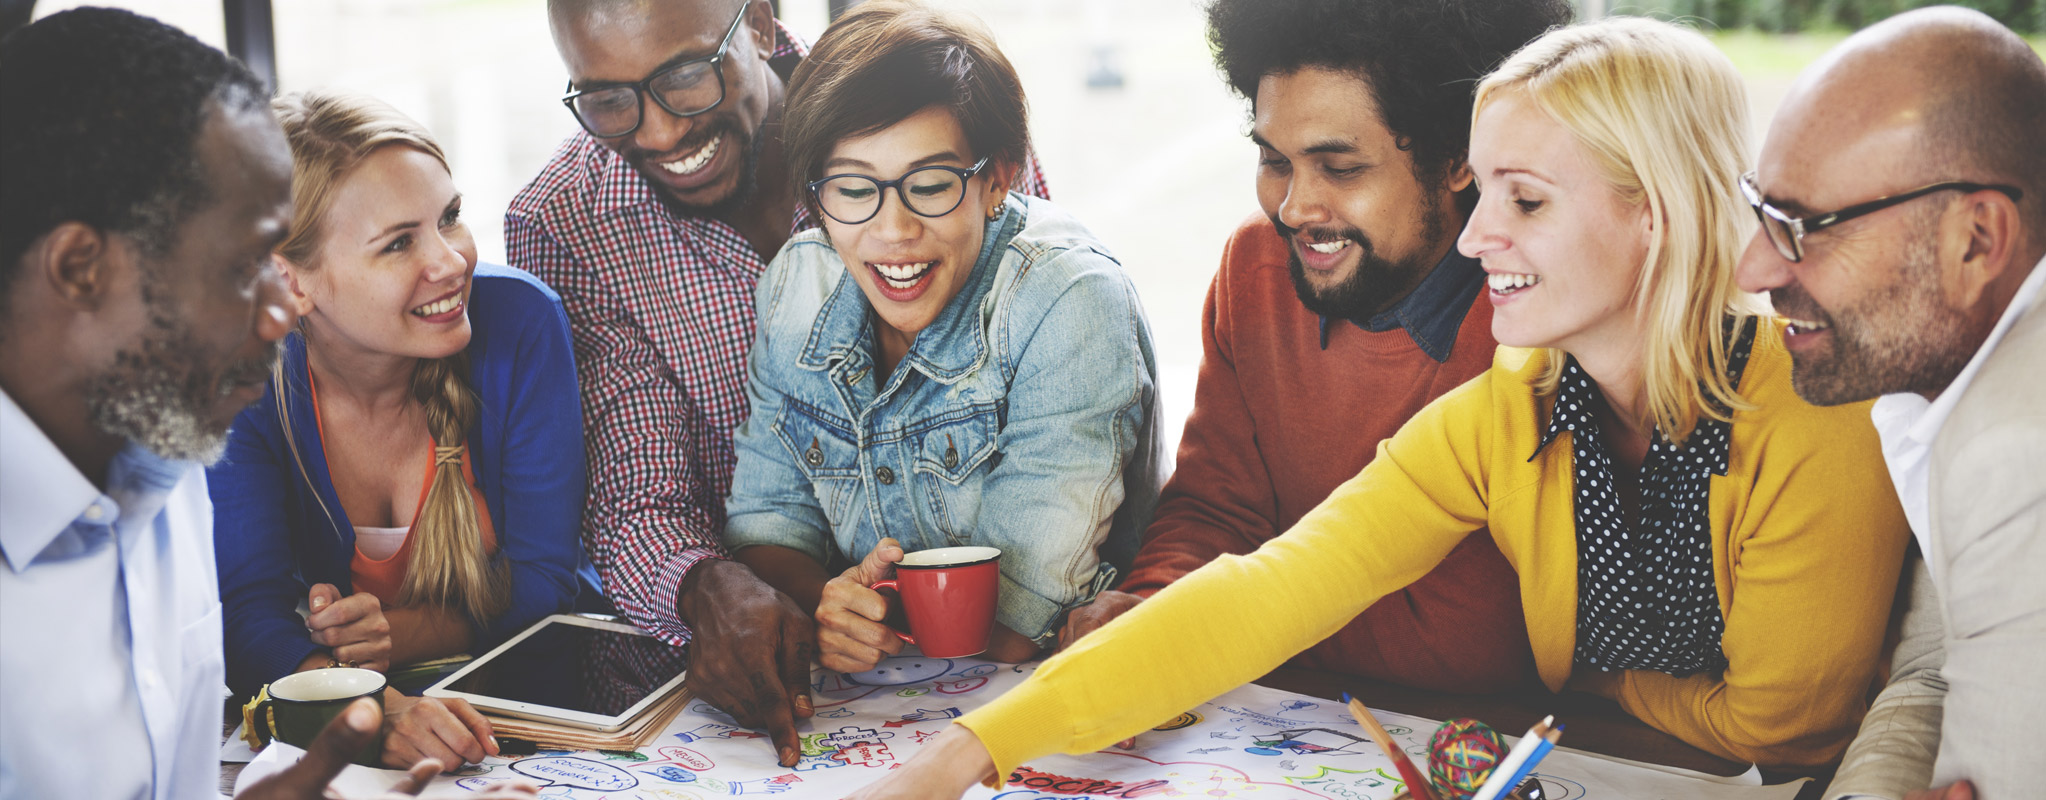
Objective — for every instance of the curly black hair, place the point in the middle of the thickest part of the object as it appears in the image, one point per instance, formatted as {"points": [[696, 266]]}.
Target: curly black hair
{"points": [[1422, 58], [100, 112]]}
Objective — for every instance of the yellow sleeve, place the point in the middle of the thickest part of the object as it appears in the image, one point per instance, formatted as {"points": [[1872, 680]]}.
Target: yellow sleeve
{"points": [[1816, 545], [1238, 617]]}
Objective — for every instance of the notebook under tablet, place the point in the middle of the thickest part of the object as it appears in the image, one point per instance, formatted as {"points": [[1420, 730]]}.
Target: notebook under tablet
{"points": [[570, 670]]}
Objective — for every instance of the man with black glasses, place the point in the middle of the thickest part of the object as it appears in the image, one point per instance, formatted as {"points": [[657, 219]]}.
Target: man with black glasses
{"points": [[1903, 233], [654, 224]]}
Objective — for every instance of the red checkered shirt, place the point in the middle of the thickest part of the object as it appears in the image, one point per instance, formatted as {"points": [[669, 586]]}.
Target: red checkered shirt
{"points": [[661, 306]]}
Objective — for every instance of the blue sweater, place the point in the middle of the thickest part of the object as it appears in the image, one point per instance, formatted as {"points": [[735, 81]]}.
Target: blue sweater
{"points": [[273, 540]]}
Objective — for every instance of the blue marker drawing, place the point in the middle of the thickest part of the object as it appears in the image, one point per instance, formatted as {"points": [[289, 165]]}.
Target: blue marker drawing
{"points": [[578, 773], [675, 774]]}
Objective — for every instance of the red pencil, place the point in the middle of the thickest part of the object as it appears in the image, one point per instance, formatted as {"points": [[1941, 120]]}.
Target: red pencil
{"points": [[1417, 783]]}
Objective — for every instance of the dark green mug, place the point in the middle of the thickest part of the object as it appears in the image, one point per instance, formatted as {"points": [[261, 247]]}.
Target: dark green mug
{"points": [[295, 708]]}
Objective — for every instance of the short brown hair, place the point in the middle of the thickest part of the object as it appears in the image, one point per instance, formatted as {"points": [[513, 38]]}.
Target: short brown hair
{"points": [[885, 61]]}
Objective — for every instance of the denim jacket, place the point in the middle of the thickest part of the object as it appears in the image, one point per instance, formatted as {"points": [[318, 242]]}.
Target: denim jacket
{"points": [[1023, 418]]}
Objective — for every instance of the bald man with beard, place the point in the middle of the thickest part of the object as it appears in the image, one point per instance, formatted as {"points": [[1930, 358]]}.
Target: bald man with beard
{"points": [[1900, 191]]}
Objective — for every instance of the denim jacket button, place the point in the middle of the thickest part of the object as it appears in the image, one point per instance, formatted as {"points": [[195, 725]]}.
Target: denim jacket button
{"points": [[951, 457], [814, 456], [885, 475]]}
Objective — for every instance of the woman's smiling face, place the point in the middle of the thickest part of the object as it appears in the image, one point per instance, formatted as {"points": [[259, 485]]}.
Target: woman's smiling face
{"points": [[908, 265], [1562, 249], [394, 267]]}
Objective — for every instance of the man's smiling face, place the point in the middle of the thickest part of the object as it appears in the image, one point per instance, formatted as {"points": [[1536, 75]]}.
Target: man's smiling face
{"points": [[704, 163]]}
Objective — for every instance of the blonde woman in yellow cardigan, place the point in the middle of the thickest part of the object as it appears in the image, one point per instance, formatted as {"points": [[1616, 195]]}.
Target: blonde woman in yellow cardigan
{"points": [[1692, 539]]}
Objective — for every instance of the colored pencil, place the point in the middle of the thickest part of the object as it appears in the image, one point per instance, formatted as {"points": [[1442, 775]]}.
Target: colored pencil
{"points": [[1541, 750], [1498, 785], [1417, 783]]}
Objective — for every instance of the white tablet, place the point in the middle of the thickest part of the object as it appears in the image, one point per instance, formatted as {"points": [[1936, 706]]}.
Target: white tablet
{"points": [[572, 670]]}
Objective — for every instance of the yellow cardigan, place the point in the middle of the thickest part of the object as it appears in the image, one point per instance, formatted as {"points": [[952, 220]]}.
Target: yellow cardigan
{"points": [[1807, 539]]}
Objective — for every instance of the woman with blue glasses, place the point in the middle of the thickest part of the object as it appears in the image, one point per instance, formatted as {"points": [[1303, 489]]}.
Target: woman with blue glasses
{"points": [[943, 362]]}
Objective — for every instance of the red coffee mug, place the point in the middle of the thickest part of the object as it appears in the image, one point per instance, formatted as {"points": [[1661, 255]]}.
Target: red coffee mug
{"points": [[949, 594]]}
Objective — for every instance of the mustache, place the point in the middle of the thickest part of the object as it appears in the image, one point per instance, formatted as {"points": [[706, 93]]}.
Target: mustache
{"points": [[1321, 234], [1794, 301], [689, 144], [250, 371]]}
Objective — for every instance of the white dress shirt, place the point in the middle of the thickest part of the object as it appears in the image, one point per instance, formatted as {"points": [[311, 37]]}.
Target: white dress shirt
{"points": [[1908, 423], [111, 669]]}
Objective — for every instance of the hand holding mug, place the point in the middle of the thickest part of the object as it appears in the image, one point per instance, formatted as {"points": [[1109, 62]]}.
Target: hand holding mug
{"points": [[850, 635], [949, 595], [353, 629]]}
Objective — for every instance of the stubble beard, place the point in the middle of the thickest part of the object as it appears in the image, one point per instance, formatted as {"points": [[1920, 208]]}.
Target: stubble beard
{"points": [[1905, 338], [742, 193]]}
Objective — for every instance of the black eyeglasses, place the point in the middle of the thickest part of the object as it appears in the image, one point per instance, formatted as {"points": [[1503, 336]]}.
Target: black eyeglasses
{"points": [[1787, 232], [932, 191], [685, 90]]}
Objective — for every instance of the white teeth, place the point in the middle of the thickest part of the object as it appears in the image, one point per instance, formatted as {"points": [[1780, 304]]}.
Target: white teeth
{"points": [[694, 161], [1806, 326], [439, 306], [1326, 248], [1508, 282], [902, 276]]}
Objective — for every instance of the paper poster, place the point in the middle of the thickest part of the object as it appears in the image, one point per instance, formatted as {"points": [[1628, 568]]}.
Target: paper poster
{"points": [[1253, 742]]}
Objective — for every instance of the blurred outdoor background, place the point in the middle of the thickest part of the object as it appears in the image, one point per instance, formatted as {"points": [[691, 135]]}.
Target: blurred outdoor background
{"points": [[1138, 135]]}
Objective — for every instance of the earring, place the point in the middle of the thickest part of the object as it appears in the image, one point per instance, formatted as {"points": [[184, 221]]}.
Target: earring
{"points": [[994, 212]]}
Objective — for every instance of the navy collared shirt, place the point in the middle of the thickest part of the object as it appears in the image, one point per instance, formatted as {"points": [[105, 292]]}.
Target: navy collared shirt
{"points": [[1434, 311]]}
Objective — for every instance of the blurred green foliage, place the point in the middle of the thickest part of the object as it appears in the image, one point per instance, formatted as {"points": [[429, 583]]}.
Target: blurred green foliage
{"points": [[1789, 16]]}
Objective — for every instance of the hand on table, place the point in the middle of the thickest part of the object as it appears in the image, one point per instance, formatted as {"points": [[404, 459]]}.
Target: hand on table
{"points": [[353, 629], [951, 763], [751, 653], [850, 635], [336, 745], [448, 731], [1086, 619], [1952, 791]]}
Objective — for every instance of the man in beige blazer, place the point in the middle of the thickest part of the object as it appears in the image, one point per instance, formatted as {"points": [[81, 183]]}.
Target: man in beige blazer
{"points": [[1902, 195]]}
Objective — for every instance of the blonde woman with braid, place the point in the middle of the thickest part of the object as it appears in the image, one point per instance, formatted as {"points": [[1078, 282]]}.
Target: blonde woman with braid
{"points": [[1692, 540], [414, 473]]}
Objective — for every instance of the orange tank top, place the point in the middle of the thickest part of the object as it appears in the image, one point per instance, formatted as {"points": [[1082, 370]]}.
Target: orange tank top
{"points": [[383, 578]]}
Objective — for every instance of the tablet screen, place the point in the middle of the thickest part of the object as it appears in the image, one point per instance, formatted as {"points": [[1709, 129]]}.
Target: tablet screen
{"points": [[577, 668]]}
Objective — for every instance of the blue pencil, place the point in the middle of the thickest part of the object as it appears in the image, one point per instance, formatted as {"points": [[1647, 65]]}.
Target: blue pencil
{"points": [[1541, 748]]}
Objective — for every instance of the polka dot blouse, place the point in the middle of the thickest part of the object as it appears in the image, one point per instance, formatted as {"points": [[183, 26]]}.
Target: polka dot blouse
{"points": [[1645, 592]]}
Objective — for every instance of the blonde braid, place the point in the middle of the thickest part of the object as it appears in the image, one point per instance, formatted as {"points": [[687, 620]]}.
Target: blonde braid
{"points": [[449, 568]]}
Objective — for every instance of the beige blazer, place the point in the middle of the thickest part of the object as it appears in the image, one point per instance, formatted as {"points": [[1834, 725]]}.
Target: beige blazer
{"points": [[1988, 541], [1967, 693]]}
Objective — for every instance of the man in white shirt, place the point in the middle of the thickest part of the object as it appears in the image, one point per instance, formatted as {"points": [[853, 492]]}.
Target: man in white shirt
{"points": [[1902, 193], [146, 184]]}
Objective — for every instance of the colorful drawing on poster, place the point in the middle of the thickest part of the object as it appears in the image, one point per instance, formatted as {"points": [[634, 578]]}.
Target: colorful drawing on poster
{"points": [[578, 773], [959, 687], [1252, 744], [902, 671], [1348, 783], [622, 755], [864, 754], [922, 715], [702, 732], [688, 758], [1046, 782], [1308, 742], [672, 774]]}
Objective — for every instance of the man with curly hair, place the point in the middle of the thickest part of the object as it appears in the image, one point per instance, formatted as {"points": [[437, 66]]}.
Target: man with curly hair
{"points": [[1341, 310]]}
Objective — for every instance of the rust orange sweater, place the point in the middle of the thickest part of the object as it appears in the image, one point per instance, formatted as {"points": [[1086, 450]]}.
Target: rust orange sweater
{"points": [[1278, 423]]}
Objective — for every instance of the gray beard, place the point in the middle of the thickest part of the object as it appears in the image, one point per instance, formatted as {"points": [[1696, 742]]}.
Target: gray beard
{"points": [[156, 396]]}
